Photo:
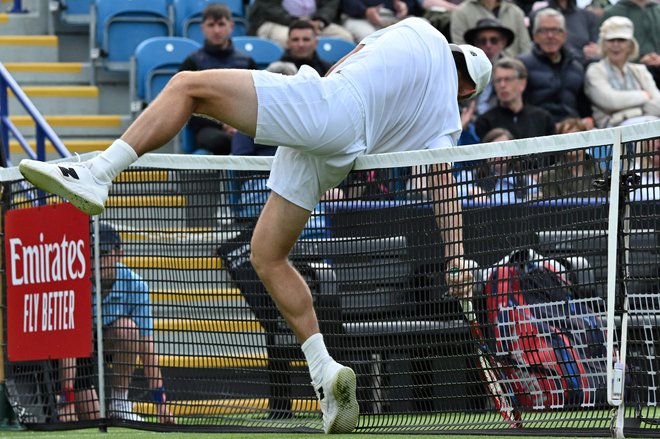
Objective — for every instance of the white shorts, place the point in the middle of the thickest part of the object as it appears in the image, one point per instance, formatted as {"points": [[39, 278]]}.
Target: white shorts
{"points": [[319, 125]]}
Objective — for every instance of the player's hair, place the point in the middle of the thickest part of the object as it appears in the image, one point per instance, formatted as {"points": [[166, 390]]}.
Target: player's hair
{"points": [[549, 12], [216, 11], [512, 64], [301, 24]]}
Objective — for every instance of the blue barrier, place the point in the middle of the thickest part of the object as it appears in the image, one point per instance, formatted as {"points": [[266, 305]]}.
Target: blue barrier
{"points": [[43, 131]]}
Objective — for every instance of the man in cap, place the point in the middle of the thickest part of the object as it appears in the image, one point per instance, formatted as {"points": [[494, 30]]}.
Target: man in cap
{"points": [[396, 91], [492, 37]]}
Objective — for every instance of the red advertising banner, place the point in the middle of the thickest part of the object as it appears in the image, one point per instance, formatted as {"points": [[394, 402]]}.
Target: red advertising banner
{"points": [[49, 291]]}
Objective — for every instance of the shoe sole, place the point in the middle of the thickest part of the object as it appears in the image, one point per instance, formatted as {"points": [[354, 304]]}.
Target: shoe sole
{"points": [[46, 182], [348, 410]]}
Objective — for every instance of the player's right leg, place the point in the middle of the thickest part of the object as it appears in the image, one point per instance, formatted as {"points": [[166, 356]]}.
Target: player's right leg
{"points": [[278, 228], [227, 95]]}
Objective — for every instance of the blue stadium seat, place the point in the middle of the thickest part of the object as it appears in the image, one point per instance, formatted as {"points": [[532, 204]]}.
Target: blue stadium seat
{"points": [[75, 11], [261, 50], [118, 26], [333, 49], [188, 17], [155, 61]]}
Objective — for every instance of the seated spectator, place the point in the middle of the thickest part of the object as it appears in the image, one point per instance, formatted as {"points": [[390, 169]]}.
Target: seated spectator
{"points": [[581, 26], [301, 47], [271, 18], [438, 13], [491, 37], [469, 12], [575, 170], [649, 171], [497, 179], [364, 17], [645, 15], [212, 137], [555, 74], [77, 399], [621, 92], [509, 79]]}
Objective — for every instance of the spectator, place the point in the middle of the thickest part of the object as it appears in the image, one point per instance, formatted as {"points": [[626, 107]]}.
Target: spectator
{"points": [[271, 18], [649, 170], [127, 329], [645, 15], [77, 400], [582, 27], [575, 170], [212, 137], [496, 179], [621, 92], [509, 80], [301, 47], [467, 15], [491, 37], [438, 13], [364, 17], [556, 76]]}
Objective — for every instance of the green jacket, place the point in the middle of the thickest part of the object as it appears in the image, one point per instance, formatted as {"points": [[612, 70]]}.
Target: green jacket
{"points": [[272, 10], [646, 20]]}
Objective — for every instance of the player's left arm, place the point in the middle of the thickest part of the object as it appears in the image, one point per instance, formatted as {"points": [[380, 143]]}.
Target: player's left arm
{"points": [[449, 215]]}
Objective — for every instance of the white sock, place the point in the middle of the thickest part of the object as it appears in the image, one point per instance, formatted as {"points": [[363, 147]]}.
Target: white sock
{"points": [[107, 165], [317, 356]]}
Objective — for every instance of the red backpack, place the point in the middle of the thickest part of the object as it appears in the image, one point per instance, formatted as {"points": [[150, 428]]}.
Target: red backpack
{"points": [[552, 345]]}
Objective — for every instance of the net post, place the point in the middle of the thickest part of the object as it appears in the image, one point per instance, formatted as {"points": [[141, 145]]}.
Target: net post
{"points": [[99, 320]]}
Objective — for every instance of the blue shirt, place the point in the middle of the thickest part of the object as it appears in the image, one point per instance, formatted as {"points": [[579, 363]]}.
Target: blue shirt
{"points": [[129, 297]]}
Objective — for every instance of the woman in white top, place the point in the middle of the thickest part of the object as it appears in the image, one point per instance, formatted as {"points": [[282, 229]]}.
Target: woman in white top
{"points": [[621, 92]]}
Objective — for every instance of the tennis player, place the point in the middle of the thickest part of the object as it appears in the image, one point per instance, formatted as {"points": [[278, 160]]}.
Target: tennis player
{"points": [[396, 91]]}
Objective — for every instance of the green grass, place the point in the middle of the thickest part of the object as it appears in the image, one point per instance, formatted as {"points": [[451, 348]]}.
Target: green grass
{"points": [[124, 433]]}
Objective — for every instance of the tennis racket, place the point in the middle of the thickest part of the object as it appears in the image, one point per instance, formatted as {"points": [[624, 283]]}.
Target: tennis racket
{"points": [[489, 369]]}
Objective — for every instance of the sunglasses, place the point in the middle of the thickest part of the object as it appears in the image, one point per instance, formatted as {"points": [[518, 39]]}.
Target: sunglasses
{"points": [[490, 40]]}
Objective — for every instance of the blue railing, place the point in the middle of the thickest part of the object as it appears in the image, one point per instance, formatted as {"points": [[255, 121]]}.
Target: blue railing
{"points": [[43, 131]]}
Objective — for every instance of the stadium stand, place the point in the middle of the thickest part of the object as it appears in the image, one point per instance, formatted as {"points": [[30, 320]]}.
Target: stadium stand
{"points": [[263, 51], [154, 62], [119, 26], [333, 49]]}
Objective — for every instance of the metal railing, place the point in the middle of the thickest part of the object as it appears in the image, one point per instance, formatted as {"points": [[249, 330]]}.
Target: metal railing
{"points": [[43, 131]]}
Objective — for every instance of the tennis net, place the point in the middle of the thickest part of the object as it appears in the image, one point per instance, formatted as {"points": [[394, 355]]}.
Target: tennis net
{"points": [[565, 280]]}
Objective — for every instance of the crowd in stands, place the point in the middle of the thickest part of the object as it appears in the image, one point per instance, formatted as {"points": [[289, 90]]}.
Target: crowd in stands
{"points": [[559, 66]]}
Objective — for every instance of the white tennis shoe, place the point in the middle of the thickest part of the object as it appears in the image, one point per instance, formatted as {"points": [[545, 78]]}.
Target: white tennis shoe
{"points": [[336, 394], [73, 181]]}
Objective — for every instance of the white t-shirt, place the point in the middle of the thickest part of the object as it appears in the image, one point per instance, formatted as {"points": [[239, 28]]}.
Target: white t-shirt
{"points": [[419, 110]]}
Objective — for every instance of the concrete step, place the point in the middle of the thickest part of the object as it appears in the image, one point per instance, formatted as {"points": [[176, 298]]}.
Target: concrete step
{"points": [[32, 20], [73, 99], [79, 146], [50, 73], [91, 127], [28, 48]]}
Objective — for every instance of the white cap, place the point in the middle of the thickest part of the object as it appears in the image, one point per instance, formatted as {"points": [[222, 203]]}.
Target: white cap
{"points": [[478, 65], [617, 27]]}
